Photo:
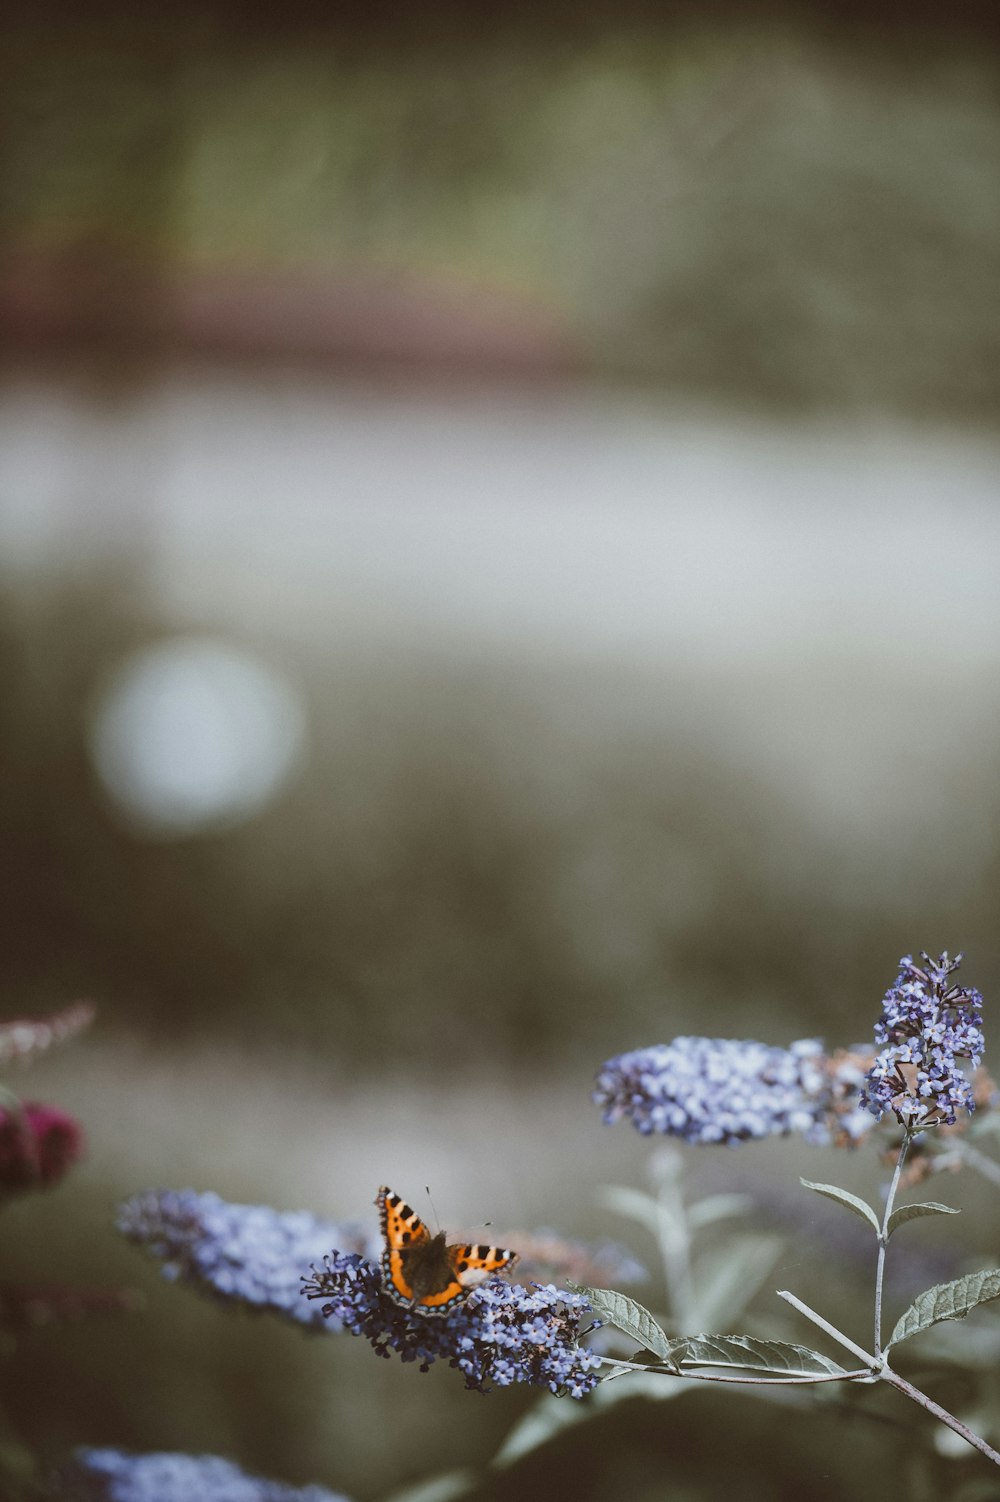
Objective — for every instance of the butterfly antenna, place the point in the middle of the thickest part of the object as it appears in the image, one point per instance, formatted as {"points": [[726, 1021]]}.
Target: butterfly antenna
{"points": [[427, 1191]]}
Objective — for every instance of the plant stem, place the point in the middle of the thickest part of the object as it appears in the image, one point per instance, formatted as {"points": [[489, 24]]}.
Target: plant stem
{"points": [[838, 1335], [883, 1241], [879, 1370], [748, 1381], [675, 1239], [894, 1380]]}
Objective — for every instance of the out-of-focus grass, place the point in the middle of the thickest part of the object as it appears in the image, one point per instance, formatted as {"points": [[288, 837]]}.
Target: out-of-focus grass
{"points": [[760, 210]]}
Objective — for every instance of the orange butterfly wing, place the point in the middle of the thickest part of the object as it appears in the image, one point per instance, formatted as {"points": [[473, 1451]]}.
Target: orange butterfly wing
{"points": [[474, 1264], [413, 1260], [402, 1229]]}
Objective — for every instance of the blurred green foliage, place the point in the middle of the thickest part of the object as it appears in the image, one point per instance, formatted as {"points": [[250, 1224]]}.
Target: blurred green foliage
{"points": [[766, 209]]}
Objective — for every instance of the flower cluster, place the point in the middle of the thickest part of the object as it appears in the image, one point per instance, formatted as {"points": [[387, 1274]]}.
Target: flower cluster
{"points": [[249, 1254], [502, 1333], [112, 1476], [927, 1025], [37, 1145], [708, 1090]]}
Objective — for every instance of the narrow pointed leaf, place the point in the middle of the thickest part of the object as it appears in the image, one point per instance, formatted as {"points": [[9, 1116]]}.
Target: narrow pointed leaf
{"points": [[445, 1488], [947, 1301], [718, 1207], [913, 1212], [549, 1417], [634, 1204], [646, 1358], [844, 1196], [728, 1275], [632, 1319], [745, 1353]]}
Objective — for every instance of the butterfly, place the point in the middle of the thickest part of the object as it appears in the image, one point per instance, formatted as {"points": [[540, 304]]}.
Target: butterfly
{"points": [[423, 1272]]}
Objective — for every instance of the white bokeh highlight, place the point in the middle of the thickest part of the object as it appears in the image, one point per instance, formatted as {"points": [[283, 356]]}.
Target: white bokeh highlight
{"points": [[191, 735]]}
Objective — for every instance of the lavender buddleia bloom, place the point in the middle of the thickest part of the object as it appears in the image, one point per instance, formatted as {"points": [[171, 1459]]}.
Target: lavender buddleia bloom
{"points": [[112, 1476], [501, 1334], [249, 1254], [709, 1090], [928, 1025]]}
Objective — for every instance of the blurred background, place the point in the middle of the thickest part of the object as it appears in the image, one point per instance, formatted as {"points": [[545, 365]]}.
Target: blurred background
{"points": [[498, 565]]}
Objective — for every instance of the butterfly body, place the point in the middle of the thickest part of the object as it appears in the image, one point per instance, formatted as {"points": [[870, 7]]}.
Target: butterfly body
{"points": [[425, 1272]]}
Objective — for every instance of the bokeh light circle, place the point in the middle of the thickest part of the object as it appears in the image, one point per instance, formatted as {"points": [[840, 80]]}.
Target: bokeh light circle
{"points": [[193, 734]]}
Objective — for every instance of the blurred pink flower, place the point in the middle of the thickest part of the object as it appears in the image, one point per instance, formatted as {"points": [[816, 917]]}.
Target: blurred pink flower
{"points": [[37, 1146]]}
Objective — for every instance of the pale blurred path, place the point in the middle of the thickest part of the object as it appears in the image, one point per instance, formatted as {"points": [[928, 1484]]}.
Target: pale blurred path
{"points": [[554, 520], [805, 585]]}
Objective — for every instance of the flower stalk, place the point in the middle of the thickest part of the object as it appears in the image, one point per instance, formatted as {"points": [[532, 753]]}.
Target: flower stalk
{"points": [[883, 1239]]}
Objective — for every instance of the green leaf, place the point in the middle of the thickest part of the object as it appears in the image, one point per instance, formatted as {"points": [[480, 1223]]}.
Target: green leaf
{"points": [[913, 1212], [550, 1416], [727, 1276], [445, 1488], [631, 1318], [947, 1301], [745, 1353], [539, 1424], [717, 1207], [633, 1204], [846, 1198]]}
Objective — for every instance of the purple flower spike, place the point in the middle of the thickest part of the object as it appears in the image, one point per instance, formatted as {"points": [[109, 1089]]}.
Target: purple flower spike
{"points": [[927, 1025], [709, 1090], [113, 1476], [247, 1254], [501, 1334]]}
